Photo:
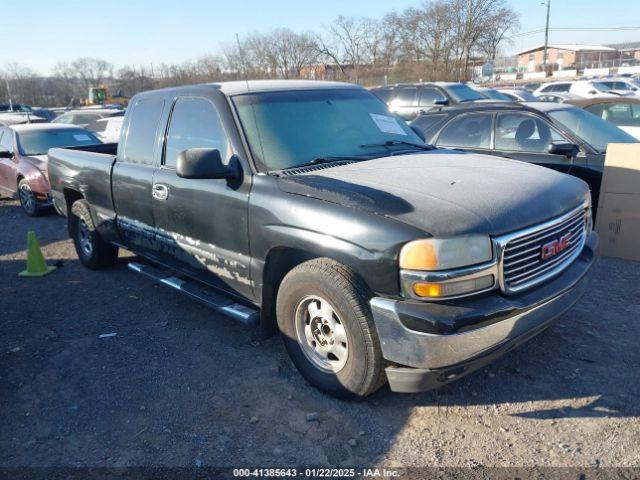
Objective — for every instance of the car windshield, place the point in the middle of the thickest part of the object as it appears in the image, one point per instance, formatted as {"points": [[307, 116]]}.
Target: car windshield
{"points": [[463, 93], [592, 129], [292, 128], [39, 142]]}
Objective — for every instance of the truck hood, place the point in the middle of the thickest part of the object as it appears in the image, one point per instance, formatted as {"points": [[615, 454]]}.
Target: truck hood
{"points": [[446, 193]]}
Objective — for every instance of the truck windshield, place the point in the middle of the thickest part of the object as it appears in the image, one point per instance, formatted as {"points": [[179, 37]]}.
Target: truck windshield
{"points": [[595, 131], [287, 129], [40, 141]]}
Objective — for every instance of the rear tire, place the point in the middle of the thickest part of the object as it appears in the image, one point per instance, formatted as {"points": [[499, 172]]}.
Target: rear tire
{"points": [[92, 250], [328, 330]]}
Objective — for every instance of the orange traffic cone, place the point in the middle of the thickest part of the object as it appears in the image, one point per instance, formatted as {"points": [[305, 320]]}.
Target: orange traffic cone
{"points": [[36, 265]]}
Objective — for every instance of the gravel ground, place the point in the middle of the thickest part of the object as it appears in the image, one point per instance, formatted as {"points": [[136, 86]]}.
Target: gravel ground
{"points": [[180, 386]]}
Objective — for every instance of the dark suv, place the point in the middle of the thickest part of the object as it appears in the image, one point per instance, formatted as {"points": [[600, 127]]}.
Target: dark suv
{"points": [[410, 100]]}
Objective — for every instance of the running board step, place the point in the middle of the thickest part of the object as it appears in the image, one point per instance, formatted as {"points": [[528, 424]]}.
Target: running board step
{"points": [[201, 293]]}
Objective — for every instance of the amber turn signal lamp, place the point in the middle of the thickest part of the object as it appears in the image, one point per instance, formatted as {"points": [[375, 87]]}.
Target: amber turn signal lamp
{"points": [[427, 290]]}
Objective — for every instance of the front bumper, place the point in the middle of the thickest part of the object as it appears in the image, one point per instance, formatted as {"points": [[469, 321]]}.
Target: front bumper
{"points": [[431, 344]]}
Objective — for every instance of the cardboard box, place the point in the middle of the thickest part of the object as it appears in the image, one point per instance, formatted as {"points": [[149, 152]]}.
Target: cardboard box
{"points": [[618, 218]]}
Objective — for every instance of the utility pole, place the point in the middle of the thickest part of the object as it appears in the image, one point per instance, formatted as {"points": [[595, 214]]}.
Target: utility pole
{"points": [[6, 79], [546, 38]]}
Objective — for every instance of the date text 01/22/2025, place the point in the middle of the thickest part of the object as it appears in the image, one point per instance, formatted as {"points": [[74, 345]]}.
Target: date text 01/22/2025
{"points": [[316, 472]]}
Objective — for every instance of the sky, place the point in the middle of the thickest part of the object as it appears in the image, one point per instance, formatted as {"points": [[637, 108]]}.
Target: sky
{"points": [[38, 33]]}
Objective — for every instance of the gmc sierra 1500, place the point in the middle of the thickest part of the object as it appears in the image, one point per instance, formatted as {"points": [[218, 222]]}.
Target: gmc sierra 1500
{"points": [[307, 207]]}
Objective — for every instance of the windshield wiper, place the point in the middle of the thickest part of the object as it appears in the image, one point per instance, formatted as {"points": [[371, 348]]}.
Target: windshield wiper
{"points": [[391, 143]]}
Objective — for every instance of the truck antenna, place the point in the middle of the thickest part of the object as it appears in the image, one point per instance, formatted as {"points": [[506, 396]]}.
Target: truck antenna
{"points": [[246, 79]]}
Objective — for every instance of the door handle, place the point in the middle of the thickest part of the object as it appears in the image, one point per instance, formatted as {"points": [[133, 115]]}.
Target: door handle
{"points": [[160, 191]]}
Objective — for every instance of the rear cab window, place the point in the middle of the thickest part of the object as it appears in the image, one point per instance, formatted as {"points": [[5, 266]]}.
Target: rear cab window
{"points": [[142, 131]]}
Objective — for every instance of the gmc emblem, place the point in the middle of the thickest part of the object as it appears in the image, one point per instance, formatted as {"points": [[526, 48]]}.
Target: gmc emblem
{"points": [[555, 247]]}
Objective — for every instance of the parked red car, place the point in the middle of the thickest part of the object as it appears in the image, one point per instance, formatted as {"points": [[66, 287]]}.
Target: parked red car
{"points": [[23, 160]]}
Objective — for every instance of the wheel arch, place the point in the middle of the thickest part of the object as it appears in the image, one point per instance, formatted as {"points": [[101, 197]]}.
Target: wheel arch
{"points": [[280, 261]]}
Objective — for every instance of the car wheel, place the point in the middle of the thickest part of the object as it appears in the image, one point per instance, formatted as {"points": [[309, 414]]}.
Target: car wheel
{"points": [[92, 250], [328, 330], [27, 199]]}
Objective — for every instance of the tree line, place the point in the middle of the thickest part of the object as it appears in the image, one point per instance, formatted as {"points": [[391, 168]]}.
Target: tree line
{"points": [[438, 40]]}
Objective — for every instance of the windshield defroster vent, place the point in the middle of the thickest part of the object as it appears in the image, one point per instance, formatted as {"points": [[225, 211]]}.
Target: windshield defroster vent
{"points": [[312, 168]]}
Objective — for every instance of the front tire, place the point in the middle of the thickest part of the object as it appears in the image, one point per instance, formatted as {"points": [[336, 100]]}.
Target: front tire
{"points": [[328, 330], [92, 250], [27, 199]]}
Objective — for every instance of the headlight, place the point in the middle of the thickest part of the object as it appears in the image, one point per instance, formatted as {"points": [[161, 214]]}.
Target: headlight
{"points": [[433, 269], [444, 254]]}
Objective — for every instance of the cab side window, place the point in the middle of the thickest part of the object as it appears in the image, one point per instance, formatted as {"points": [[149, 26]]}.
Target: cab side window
{"points": [[6, 140], [406, 96], [622, 114], [428, 95], [597, 109], [524, 133], [143, 129], [97, 126], [468, 131], [195, 123]]}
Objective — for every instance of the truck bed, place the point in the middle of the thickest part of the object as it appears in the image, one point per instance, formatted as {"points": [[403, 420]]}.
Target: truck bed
{"points": [[85, 170]]}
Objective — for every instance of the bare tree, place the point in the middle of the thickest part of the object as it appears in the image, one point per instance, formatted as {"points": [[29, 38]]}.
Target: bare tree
{"points": [[289, 52], [347, 43], [504, 21], [24, 84], [92, 71]]}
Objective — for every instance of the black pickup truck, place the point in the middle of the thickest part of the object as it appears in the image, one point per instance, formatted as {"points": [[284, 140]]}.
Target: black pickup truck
{"points": [[306, 207]]}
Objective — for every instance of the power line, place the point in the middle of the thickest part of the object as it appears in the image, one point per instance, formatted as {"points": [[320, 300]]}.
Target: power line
{"points": [[574, 29]]}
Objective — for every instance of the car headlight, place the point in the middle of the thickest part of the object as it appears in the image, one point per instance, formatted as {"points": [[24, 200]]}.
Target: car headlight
{"points": [[432, 269], [444, 254]]}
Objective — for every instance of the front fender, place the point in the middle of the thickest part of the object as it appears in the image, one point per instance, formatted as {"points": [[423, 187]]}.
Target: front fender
{"points": [[364, 241]]}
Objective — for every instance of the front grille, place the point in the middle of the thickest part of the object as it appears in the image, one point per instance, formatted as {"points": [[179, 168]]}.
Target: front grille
{"points": [[543, 252]]}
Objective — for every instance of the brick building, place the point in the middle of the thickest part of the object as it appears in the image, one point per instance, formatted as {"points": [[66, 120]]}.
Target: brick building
{"points": [[567, 56], [629, 52]]}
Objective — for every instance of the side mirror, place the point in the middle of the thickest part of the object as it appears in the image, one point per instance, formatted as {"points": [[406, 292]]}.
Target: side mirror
{"points": [[6, 154], [564, 148], [441, 101], [418, 132], [205, 163], [593, 92]]}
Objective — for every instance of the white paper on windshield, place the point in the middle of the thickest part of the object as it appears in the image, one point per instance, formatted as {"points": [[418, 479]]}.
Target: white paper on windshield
{"points": [[82, 137], [387, 124]]}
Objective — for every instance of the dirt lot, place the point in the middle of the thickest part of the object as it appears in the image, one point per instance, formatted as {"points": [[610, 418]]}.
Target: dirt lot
{"points": [[180, 386]]}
